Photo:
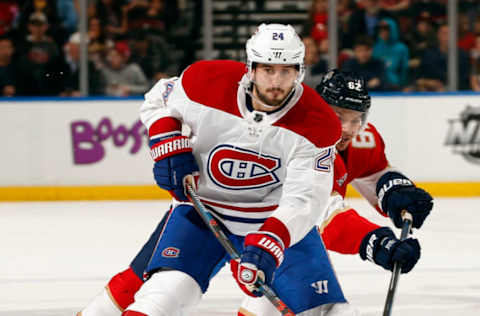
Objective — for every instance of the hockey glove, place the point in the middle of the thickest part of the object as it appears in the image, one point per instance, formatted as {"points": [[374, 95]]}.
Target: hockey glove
{"points": [[383, 248], [173, 162], [262, 255], [396, 193]]}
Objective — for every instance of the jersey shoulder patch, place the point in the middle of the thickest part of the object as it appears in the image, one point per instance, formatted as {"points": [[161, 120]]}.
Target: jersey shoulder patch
{"points": [[214, 83], [313, 119]]}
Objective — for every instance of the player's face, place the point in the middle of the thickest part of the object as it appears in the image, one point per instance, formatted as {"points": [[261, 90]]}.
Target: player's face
{"points": [[362, 53], [351, 124], [273, 82]]}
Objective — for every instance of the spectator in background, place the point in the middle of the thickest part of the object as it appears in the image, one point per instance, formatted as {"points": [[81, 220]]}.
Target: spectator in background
{"points": [[475, 58], [429, 9], [7, 68], [49, 9], [476, 25], [97, 42], [112, 17], [154, 15], [395, 6], [433, 66], [314, 65], [8, 13], [393, 53], [470, 8], [70, 68], [400, 10], [466, 38], [91, 8], [316, 26], [421, 38], [152, 53], [364, 64], [38, 59], [123, 78], [364, 21], [67, 15], [345, 8]]}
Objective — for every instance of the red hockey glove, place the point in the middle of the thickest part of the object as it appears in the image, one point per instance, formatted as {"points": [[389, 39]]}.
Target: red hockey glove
{"points": [[263, 253]]}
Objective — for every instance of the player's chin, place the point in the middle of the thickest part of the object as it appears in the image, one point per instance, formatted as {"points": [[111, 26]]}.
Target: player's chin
{"points": [[277, 101], [343, 144], [276, 95]]}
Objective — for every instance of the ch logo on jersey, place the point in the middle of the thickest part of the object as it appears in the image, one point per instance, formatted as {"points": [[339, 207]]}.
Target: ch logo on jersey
{"points": [[236, 168], [170, 252]]}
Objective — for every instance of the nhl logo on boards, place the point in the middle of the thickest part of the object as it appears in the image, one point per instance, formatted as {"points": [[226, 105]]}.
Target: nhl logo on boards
{"points": [[236, 168], [463, 135], [170, 252]]}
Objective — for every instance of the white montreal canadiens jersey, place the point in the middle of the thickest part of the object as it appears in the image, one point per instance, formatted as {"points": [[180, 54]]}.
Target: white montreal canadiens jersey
{"points": [[252, 165]]}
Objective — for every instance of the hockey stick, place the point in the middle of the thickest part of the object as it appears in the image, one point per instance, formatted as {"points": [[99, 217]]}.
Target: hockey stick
{"points": [[407, 225], [212, 224]]}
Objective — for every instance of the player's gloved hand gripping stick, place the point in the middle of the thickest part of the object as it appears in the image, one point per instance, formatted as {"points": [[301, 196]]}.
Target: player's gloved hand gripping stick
{"points": [[212, 224], [407, 226]]}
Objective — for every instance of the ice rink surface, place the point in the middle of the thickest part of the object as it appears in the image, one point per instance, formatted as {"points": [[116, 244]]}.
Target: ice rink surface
{"points": [[55, 256]]}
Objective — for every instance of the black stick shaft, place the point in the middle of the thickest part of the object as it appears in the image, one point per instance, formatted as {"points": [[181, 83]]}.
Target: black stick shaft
{"points": [[213, 225], [407, 225]]}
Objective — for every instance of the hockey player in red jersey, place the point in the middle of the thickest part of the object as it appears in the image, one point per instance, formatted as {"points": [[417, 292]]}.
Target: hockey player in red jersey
{"points": [[361, 161], [262, 145]]}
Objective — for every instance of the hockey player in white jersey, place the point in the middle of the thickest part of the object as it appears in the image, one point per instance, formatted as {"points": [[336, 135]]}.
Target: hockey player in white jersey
{"points": [[260, 146]]}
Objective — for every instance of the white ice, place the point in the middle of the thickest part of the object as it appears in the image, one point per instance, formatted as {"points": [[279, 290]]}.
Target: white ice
{"points": [[55, 256]]}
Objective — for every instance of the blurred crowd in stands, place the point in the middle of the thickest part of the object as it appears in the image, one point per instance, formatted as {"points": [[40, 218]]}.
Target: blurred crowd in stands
{"points": [[129, 46], [397, 45]]}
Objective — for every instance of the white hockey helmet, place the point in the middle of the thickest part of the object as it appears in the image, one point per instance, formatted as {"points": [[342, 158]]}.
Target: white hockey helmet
{"points": [[276, 44]]}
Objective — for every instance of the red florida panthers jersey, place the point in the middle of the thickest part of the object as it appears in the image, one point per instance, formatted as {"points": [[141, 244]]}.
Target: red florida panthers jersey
{"points": [[361, 164], [364, 157]]}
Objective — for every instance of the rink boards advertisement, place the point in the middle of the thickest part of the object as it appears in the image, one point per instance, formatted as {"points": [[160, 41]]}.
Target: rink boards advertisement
{"points": [[85, 149], [98, 149]]}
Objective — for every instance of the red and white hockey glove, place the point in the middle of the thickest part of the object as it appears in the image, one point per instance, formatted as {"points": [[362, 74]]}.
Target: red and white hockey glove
{"points": [[263, 253], [173, 157]]}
